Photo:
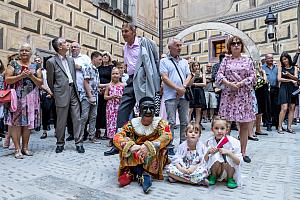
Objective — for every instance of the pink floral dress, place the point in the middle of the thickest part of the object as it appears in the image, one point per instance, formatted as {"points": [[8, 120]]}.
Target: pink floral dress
{"points": [[237, 105], [28, 100], [112, 107]]}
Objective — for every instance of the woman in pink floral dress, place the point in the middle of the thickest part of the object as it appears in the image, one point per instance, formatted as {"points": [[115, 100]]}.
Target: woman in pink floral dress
{"points": [[113, 95], [237, 75], [25, 78]]}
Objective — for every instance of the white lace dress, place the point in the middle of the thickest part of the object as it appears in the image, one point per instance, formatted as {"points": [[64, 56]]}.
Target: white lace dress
{"points": [[186, 158]]}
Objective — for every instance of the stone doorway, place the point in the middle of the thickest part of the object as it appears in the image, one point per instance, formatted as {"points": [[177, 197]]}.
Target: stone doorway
{"points": [[250, 46]]}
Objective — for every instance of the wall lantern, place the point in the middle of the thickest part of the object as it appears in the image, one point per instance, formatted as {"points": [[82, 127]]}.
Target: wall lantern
{"points": [[270, 22]]}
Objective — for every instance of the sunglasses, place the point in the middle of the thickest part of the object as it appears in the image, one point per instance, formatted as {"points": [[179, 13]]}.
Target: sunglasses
{"points": [[236, 44]]}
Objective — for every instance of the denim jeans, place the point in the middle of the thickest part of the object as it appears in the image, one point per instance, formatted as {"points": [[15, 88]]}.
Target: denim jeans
{"points": [[183, 110]]}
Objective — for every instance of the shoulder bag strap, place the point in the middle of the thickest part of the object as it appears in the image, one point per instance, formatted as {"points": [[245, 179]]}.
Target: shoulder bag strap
{"points": [[177, 70]]}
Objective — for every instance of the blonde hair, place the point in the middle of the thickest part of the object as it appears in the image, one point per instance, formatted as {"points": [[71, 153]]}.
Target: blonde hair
{"points": [[193, 126], [109, 55], [218, 118]]}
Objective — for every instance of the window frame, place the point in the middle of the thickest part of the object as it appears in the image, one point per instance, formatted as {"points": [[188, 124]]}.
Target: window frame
{"points": [[211, 48]]}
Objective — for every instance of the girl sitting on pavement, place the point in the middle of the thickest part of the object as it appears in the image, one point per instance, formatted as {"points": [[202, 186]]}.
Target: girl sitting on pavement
{"points": [[223, 156], [188, 165]]}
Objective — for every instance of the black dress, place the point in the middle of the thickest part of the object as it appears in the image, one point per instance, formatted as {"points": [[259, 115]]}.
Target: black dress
{"points": [[105, 77], [199, 96], [287, 88]]}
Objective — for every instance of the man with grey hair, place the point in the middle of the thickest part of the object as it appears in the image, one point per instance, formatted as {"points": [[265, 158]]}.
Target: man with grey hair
{"points": [[176, 75], [61, 78], [142, 60]]}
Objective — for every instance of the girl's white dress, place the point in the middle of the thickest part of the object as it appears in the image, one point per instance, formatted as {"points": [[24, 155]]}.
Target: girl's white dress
{"points": [[187, 158], [234, 146]]}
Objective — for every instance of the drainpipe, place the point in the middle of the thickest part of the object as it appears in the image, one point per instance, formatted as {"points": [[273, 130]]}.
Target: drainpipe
{"points": [[160, 26]]}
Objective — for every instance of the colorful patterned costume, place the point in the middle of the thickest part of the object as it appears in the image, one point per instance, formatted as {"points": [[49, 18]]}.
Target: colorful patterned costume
{"points": [[28, 105], [156, 137]]}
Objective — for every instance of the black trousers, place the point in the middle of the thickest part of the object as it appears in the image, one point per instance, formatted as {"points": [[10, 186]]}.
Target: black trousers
{"points": [[275, 108], [127, 103], [48, 111]]}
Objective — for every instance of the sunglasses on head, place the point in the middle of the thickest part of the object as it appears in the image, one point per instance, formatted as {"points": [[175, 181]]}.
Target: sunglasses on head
{"points": [[236, 43]]}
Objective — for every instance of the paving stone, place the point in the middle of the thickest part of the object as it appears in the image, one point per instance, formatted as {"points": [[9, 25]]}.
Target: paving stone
{"points": [[274, 173]]}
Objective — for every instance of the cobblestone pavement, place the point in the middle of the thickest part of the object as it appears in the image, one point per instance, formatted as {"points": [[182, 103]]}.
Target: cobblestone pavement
{"points": [[274, 173]]}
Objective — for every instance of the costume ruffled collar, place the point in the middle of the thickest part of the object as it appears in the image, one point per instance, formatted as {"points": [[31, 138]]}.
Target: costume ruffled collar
{"points": [[140, 129]]}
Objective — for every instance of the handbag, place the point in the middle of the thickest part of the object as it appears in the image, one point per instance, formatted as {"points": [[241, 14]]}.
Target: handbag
{"points": [[188, 95], [5, 96]]}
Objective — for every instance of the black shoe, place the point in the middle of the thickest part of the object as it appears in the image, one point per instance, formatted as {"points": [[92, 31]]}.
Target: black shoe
{"points": [[104, 137], [247, 159], [171, 151], [44, 135], [80, 149], [111, 152], [260, 133], [59, 149], [84, 139], [147, 182], [269, 128], [252, 138], [70, 138]]}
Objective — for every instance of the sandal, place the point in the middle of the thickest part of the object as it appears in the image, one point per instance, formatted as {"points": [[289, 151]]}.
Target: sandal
{"points": [[18, 154], [110, 143], [260, 133], [252, 138], [27, 152], [280, 131], [291, 131]]}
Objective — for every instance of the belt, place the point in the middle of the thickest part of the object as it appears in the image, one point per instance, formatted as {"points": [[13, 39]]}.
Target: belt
{"points": [[71, 84]]}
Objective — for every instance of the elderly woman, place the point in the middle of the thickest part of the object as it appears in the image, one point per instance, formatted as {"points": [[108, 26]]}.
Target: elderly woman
{"points": [[25, 78], [237, 75]]}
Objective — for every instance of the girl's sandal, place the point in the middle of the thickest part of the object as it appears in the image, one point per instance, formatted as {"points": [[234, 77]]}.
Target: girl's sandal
{"points": [[18, 154], [291, 131], [280, 131], [27, 152]]}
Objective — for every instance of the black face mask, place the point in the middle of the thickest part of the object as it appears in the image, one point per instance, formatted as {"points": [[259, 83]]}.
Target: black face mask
{"points": [[147, 109]]}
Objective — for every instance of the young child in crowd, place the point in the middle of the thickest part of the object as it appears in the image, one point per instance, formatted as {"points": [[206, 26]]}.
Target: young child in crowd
{"points": [[188, 164], [123, 76], [113, 94], [223, 156]]}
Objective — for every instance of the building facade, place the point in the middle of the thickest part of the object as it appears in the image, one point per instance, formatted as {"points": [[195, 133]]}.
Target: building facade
{"points": [[245, 15], [95, 24]]}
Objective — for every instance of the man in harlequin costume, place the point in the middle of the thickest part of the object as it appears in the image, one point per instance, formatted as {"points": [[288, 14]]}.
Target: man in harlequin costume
{"points": [[142, 143]]}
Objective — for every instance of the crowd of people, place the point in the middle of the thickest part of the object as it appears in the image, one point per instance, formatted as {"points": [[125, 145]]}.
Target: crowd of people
{"points": [[140, 102]]}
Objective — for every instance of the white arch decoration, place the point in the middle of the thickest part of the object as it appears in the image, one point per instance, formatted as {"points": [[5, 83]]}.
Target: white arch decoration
{"points": [[249, 43]]}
